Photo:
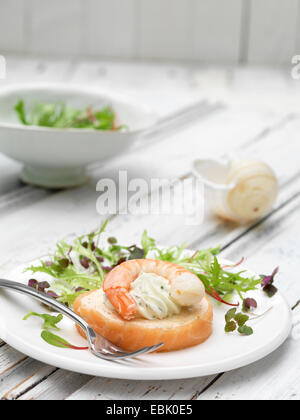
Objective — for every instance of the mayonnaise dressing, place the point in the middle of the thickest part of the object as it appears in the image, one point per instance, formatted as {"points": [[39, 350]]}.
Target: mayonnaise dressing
{"points": [[152, 295]]}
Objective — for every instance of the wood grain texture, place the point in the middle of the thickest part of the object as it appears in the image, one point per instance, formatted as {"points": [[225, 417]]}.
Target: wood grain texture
{"points": [[272, 378], [28, 382], [111, 28], [273, 31], [56, 386], [258, 239], [110, 389], [75, 209], [217, 31], [193, 387], [272, 243], [9, 359]]}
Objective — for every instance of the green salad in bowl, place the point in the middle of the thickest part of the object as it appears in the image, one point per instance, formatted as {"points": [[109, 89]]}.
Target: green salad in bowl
{"points": [[59, 115], [57, 131]]}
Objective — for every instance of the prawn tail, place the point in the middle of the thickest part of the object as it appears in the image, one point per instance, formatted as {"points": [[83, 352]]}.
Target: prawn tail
{"points": [[124, 304]]}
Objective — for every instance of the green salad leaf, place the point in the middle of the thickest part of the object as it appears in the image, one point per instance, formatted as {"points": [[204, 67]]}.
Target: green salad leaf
{"points": [[219, 282], [50, 321], [56, 341], [20, 110], [237, 321], [81, 266], [58, 115]]}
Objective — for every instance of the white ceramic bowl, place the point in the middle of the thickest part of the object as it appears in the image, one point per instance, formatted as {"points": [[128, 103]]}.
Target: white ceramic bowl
{"points": [[57, 158]]}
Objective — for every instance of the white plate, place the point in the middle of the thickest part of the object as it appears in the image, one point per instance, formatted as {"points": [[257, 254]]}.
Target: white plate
{"points": [[221, 352]]}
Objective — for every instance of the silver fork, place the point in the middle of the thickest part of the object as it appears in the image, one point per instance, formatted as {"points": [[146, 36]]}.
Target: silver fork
{"points": [[98, 345]]}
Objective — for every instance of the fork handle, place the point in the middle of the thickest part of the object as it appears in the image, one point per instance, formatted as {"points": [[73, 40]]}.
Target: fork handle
{"points": [[42, 297]]}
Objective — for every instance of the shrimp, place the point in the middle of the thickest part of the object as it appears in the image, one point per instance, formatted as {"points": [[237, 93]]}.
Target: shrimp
{"points": [[186, 288]]}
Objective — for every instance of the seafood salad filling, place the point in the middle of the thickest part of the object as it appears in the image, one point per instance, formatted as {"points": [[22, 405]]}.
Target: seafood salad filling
{"points": [[152, 289], [152, 295]]}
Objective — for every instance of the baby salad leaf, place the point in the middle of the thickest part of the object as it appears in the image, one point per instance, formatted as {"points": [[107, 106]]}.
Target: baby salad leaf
{"points": [[50, 322], [269, 279], [237, 320], [58, 115], [230, 327], [20, 110], [270, 290], [248, 304], [267, 283], [136, 253], [147, 243], [245, 330], [112, 241], [82, 265], [57, 341], [230, 315], [241, 319], [70, 278]]}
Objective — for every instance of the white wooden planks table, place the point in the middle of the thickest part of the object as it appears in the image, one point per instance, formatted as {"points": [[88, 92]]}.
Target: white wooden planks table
{"points": [[259, 117]]}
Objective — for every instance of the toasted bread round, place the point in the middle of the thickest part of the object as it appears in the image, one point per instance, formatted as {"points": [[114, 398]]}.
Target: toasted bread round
{"points": [[191, 327]]}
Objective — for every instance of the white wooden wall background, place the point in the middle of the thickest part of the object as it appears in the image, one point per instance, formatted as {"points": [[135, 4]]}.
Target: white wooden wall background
{"points": [[232, 31]]}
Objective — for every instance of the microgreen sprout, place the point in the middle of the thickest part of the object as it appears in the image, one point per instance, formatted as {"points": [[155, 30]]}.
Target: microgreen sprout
{"points": [[82, 265], [267, 283], [237, 321], [50, 322], [56, 341], [249, 304]]}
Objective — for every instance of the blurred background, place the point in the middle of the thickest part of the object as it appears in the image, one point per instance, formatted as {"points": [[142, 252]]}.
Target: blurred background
{"points": [[209, 31], [207, 40]]}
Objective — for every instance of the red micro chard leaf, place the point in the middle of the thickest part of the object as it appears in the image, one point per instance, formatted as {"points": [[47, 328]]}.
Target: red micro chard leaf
{"points": [[269, 279], [52, 294], [42, 286], [267, 283], [85, 262], [57, 341], [33, 283], [270, 290], [249, 304], [106, 268]]}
